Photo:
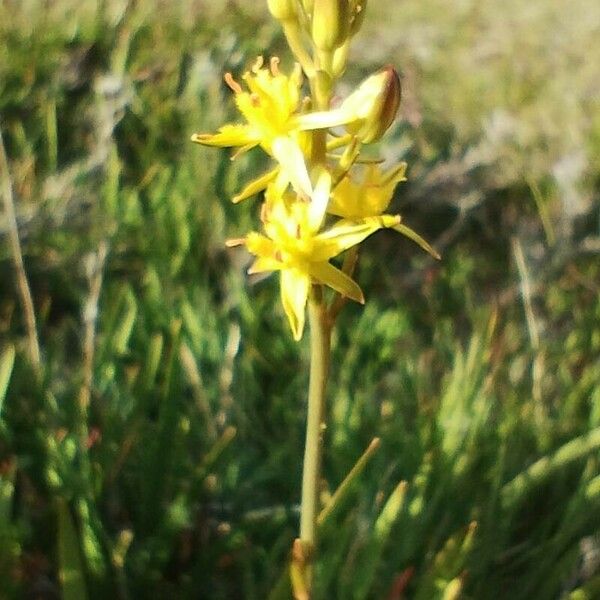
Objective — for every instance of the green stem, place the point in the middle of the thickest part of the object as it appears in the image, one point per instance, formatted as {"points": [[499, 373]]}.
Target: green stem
{"points": [[320, 337], [304, 549]]}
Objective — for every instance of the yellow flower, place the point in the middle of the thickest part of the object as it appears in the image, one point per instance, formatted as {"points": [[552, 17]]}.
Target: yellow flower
{"points": [[274, 121], [293, 244], [268, 107], [370, 197]]}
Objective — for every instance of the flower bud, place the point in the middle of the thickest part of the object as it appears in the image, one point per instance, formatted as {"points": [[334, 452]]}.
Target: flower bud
{"points": [[283, 10], [374, 105], [340, 56], [330, 24]]}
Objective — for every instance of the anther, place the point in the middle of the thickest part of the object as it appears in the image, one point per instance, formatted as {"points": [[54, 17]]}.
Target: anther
{"points": [[232, 83], [258, 63], [274, 64]]}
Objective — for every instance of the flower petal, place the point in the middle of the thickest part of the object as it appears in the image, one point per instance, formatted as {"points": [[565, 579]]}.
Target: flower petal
{"points": [[319, 200], [294, 294], [415, 237], [323, 119], [327, 274], [371, 197], [255, 186], [345, 233], [228, 135], [260, 246], [289, 155], [265, 264]]}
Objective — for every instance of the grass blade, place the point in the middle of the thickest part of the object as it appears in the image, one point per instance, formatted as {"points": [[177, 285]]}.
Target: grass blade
{"points": [[71, 574], [7, 361]]}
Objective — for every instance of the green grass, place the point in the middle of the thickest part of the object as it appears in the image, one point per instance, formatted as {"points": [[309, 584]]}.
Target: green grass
{"points": [[181, 478]]}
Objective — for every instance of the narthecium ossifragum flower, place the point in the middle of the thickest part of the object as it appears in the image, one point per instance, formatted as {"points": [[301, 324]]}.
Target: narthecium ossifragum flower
{"points": [[269, 108], [321, 199], [296, 245], [298, 238]]}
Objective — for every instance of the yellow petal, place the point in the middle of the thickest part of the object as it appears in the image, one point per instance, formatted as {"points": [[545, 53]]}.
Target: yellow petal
{"points": [[289, 155], [260, 246], [415, 237], [228, 135], [327, 274], [294, 294], [265, 264], [371, 197], [319, 200], [323, 119], [345, 234], [255, 186]]}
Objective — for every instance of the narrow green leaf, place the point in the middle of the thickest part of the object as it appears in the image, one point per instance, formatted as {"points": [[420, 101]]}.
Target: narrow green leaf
{"points": [[92, 548], [7, 490], [71, 574], [366, 568], [348, 484], [7, 361], [125, 327], [545, 467]]}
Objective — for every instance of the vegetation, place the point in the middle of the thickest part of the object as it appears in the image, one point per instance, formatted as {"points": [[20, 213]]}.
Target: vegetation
{"points": [[153, 451]]}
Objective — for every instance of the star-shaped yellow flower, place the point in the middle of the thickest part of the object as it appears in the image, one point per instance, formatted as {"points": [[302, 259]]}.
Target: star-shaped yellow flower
{"points": [[294, 244], [268, 108], [274, 120], [370, 197]]}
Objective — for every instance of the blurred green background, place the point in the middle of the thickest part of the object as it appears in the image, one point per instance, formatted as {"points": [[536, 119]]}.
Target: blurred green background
{"points": [[155, 452]]}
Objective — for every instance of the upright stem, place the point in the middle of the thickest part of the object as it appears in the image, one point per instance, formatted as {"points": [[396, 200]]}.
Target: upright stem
{"points": [[17, 257], [320, 337], [304, 550]]}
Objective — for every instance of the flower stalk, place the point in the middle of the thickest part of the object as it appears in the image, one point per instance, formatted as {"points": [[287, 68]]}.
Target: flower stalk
{"points": [[315, 206], [320, 341]]}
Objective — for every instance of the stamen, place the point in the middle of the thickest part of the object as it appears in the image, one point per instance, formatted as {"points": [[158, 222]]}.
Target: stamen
{"points": [[232, 83], [264, 213], [255, 99], [274, 64], [258, 63], [297, 74], [235, 242]]}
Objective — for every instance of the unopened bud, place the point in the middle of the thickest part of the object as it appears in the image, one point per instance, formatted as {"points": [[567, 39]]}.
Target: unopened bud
{"points": [[340, 56], [283, 10], [330, 24], [374, 105]]}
